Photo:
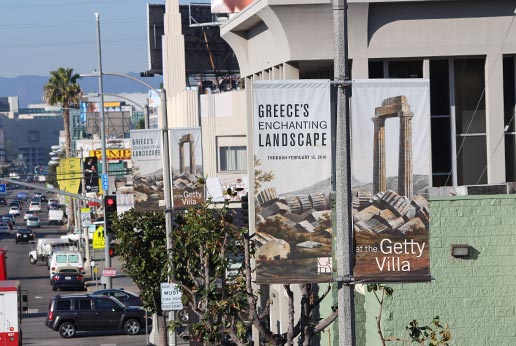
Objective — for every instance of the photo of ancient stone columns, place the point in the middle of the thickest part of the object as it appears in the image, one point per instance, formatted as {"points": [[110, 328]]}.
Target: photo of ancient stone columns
{"points": [[391, 216], [187, 167]]}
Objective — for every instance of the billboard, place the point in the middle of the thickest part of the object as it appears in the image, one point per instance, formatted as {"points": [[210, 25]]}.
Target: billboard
{"points": [[391, 172], [186, 154], [147, 169], [205, 51], [112, 154], [293, 168], [91, 174]]}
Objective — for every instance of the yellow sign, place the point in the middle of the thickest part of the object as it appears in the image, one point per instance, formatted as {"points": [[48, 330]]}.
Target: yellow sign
{"points": [[113, 154], [99, 242]]}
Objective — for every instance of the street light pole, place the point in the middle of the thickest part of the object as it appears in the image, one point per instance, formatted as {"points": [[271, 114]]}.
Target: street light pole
{"points": [[107, 258], [167, 183]]}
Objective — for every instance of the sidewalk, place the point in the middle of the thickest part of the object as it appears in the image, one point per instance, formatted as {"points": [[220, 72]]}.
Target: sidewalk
{"points": [[120, 280]]}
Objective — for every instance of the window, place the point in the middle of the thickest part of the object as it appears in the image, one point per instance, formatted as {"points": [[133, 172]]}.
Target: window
{"points": [[232, 154], [84, 304], [104, 305], [509, 95], [61, 259], [470, 121], [64, 305], [73, 259]]}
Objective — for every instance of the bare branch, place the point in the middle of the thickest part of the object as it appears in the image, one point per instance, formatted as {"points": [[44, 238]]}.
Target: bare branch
{"points": [[326, 322]]}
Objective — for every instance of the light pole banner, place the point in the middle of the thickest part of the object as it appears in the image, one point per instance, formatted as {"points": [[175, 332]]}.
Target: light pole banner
{"points": [[146, 157], [187, 169], [391, 172], [293, 166]]}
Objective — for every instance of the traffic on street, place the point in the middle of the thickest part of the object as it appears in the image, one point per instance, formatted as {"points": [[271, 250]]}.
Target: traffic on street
{"points": [[43, 280]]}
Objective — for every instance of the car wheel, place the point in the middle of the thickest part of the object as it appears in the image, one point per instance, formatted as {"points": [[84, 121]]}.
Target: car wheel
{"points": [[67, 330], [182, 315], [132, 326], [32, 260]]}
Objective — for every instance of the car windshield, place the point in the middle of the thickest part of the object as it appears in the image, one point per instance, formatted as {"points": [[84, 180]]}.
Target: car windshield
{"points": [[24, 231]]}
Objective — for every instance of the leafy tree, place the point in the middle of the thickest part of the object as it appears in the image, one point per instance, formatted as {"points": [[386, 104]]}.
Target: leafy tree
{"points": [[212, 261], [142, 247]]}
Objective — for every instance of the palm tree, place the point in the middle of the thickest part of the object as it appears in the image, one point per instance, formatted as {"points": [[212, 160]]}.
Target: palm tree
{"points": [[62, 89]]}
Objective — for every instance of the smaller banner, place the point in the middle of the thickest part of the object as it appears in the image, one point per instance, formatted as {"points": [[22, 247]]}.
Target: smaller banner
{"points": [[146, 157], [186, 153], [113, 154], [91, 174]]}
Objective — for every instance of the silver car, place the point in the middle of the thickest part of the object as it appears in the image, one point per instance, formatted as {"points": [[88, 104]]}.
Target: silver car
{"points": [[33, 221]]}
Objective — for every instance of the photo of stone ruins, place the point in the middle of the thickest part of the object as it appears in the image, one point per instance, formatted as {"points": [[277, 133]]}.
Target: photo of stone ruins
{"points": [[293, 235], [390, 210]]}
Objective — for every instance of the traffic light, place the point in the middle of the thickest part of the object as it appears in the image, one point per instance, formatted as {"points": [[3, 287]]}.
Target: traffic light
{"points": [[110, 213], [245, 210], [112, 251]]}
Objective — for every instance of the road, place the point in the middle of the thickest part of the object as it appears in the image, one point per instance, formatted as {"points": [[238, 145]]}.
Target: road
{"points": [[35, 280]]}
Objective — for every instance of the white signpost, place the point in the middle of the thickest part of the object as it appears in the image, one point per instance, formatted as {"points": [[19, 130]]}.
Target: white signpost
{"points": [[171, 297]]}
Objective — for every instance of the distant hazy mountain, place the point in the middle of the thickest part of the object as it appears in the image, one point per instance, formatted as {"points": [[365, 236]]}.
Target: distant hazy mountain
{"points": [[29, 89]]}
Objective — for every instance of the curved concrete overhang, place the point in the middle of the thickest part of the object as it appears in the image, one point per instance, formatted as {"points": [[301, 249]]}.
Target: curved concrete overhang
{"points": [[270, 32]]}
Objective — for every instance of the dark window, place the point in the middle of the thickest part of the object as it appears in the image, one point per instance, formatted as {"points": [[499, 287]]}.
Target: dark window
{"points": [[406, 69], [470, 121], [233, 158], [376, 69], [509, 101], [104, 305], [441, 125], [63, 305], [84, 304]]}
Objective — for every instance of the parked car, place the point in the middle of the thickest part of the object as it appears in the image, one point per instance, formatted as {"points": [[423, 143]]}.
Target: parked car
{"points": [[7, 221], [44, 199], [29, 213], [126, 297], [38, 194], [14, 210], [33, 221], [4, 228], [3, 201], [25, 235], [68, 277], [68, 314]]}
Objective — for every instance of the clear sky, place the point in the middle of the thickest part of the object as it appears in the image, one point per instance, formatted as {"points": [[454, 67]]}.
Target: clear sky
{"points": [[38, 36]]}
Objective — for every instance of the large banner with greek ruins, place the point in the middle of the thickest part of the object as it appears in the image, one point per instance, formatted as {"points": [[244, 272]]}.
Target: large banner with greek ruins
{"points": [[187, 169], [293, 164], [391, 172], [146, 158]]}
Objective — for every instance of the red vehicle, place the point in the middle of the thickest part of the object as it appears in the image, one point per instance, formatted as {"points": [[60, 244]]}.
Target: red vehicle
{"points": [[11, 301]]}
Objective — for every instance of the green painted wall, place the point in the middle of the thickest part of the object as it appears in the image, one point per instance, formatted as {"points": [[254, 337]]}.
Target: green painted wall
{"points": [[475, 296]]}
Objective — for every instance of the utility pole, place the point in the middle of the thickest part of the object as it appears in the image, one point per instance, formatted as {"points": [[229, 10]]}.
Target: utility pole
{"points": [[345, 295], [107, 258]]}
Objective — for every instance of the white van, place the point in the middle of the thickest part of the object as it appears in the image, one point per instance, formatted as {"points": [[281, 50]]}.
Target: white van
{"points": [[66, 259]]}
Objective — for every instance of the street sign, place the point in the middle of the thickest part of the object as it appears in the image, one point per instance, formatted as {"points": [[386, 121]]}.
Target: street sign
{"points": [[171, 297], [99, 242], [105, 182], [3, 188], [108, 271], [85, 216]]}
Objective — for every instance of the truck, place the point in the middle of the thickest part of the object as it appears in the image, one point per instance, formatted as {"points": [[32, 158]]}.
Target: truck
{"points": [[46, 246], [55, 217], [13, 303]]}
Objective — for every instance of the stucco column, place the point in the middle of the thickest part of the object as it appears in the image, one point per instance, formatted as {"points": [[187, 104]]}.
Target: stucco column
{"points": [[495, 119], [379, 170], [405, 178]]}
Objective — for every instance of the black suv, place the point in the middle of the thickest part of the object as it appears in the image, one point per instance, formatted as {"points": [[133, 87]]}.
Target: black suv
{"points": [[71, 313]]}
